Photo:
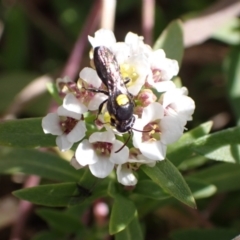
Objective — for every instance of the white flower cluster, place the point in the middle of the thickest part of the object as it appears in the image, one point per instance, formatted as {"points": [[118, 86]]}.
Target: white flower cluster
{"points": [[161, 111]]}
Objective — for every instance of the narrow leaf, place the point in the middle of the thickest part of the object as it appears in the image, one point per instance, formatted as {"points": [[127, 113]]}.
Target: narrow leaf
{"points": [[180, 151], [170, 179], [52, 195], [201, 189], [171, 41], [132, 232], [123, 212], [25, 133], [59, 220], [150, 189], [232, 68], [221, 146], [225, 176], [35, 162]]}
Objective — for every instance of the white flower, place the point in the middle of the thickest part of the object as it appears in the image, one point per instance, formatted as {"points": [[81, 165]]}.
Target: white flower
{"points": [[93, 100], [176, 103], [133, 62], [103, 37], [67, 123], [99, 152], [136, 68], [125, 171], [158, 131], [163, 69]]}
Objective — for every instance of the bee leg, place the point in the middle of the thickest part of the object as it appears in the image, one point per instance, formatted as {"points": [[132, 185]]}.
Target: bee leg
{"points": [[129, 136], [101, 107], [126, 80], [95, 90]]}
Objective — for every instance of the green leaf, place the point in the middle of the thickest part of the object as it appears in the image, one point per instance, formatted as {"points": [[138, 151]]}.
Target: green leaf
{"points": [[43, 164], [180, 151], [52, 89], [150, 189], [59, 220], [166, 175], [123, 212], [220, 146], [228, 32], [132, 232], [225, 176], [201, 189], [171, 41], [232, 69], [206, 234], [61, 194], [192, 163], [26, 133], [51, 195]]}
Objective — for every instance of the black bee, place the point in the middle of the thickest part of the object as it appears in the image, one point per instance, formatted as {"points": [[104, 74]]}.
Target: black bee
{"points": [[120, 102]]}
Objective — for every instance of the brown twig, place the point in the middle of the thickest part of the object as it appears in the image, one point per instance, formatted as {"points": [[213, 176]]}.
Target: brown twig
{"points": [[72, 66], [199, 29], [24, 210], [108, 14], [148, 7], [47, 26]]}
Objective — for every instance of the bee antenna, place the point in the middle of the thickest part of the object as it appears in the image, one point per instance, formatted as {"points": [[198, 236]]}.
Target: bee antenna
{"points": [[129, 136]]}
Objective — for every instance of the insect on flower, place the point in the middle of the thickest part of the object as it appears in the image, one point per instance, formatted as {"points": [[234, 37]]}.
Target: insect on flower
{"points": [[120, 102]]}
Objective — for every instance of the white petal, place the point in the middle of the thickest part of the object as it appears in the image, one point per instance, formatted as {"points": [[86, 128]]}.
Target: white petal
{"points": [[125, 176], [85, 153], [121, 156], [96, 101], [62, 143], [152, 112], [64, 112], [171, 129], [90, 76], [72, 104], [75, 163], [77, 133], [102, 37], [137, 135], [164, 86], [107, 136], [154, 150], [50, 124], [102, 168]]}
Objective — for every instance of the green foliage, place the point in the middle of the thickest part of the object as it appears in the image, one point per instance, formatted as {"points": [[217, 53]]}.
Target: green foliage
{"points": [[220, 146], [24, 133], [225, 176], [43, 164], [123, 212], [181, 150], [188, 174], [131, 232], [166, 175], [171, 41], [61, 221], [232, 67]]}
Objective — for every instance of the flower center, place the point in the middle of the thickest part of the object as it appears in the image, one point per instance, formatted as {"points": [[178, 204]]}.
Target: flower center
{"points": [[157, 76], [67, 124], [129, 71], [151, 132], [102, 148]]}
